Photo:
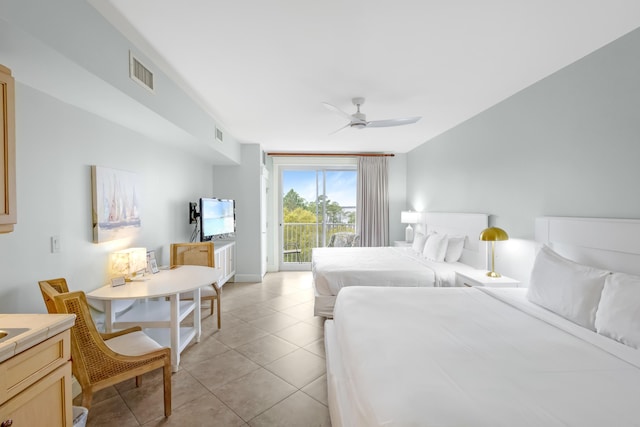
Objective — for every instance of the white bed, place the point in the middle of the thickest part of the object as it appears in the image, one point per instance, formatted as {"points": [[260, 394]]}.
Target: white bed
{"points": [[484, 356], [336, 268]]}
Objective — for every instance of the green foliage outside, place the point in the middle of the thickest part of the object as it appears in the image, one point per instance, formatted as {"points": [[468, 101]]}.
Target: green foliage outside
{"points": [[298, 211]]}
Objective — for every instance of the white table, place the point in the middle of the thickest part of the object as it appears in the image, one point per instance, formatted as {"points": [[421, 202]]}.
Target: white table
{"points": [[154, 312], [480, 278]]}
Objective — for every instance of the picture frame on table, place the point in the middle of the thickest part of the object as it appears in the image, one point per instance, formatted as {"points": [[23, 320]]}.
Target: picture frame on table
{"points": [[152, 264], [118, 281]]}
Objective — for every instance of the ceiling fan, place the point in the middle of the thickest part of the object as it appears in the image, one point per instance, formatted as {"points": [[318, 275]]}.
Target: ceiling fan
{"points": [[358, 120]]}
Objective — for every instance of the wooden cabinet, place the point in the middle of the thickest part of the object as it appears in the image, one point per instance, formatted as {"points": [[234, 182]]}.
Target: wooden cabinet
{"points": [[8, 217], [225, 258], [35, 385]]}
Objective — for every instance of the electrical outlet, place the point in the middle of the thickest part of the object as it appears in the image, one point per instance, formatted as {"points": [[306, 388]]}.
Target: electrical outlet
{"points": [[55, 244]]}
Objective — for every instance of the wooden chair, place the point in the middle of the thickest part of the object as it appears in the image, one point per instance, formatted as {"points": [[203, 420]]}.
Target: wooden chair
{"points": [[52, 287], [200, 253], [102, 360], [58, 285]]}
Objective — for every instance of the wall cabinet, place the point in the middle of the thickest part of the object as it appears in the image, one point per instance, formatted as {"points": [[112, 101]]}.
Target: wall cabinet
{"points": [[35, 385], [225, 258], [8, 217]]}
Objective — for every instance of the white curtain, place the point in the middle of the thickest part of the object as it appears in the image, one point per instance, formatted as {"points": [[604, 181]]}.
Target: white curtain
{"points": [[372, 221]]}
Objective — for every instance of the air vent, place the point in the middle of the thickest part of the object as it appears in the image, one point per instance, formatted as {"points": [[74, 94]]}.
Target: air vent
{"points": [[139, 73], [219, 135]]}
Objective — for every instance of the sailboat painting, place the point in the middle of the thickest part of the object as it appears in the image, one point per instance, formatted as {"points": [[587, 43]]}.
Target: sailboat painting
{"points": [[116, 211]]}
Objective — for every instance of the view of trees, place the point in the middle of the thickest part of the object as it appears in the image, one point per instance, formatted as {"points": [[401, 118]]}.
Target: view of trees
{"points": [[298, 211]]}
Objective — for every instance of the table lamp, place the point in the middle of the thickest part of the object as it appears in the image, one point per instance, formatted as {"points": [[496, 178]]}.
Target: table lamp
{"points": [[128, 263], [409, 217], [493, 234]]}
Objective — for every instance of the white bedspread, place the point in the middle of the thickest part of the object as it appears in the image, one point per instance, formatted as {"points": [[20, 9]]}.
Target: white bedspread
{"points": [[460, 357], [336, 268]]}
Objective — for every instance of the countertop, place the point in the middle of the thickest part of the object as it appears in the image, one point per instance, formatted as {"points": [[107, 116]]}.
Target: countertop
{"points": [[41, 327]]}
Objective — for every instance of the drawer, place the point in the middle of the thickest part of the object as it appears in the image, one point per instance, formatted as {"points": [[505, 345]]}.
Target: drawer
{"points": [[45, 404], [26, 368]]}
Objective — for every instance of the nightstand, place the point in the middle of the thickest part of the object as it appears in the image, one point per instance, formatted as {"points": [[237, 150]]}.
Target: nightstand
{"points": [[480, 278], [402, 243]]}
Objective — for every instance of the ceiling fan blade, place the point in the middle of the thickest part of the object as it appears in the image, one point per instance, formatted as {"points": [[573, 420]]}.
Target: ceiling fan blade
{"points": [[337, 110], [392, 122], [338, 130]]}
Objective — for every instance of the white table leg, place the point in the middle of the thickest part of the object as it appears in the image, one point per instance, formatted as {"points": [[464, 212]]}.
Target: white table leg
{"points": [[109, 316], [175, 332], [197, 315]]}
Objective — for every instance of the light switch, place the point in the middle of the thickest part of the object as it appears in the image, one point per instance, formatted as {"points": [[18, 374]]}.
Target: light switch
{"points": [[55, 244]]}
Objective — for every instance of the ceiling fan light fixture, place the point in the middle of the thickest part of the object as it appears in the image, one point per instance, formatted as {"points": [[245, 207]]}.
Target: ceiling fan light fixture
{"points": [[358, 120]]}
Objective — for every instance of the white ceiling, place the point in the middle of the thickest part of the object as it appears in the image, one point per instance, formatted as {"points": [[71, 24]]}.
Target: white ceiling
{"points": [[262, 68]]}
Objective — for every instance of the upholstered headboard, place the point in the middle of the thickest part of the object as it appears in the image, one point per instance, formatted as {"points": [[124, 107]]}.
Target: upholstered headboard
{"points": [[462, 224], [607, 243]]}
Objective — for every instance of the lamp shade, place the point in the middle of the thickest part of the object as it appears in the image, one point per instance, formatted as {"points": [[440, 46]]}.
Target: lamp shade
{"points": [[409, 217], [493, 234], [128, 262]]}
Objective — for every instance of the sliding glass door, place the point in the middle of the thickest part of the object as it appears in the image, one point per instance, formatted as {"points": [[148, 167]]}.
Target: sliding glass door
{"points": [[314, 204]]}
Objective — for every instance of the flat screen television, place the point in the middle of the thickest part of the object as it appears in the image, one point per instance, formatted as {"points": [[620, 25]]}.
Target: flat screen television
{"points": [[217, 218]]}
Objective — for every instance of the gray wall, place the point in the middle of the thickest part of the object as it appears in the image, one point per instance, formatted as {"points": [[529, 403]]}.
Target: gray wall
{"points": [[397, 196], [566, 146], [242, 183]]}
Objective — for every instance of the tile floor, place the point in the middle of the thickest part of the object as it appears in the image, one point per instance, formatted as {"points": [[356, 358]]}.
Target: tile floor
{"points": [[265, 367]]}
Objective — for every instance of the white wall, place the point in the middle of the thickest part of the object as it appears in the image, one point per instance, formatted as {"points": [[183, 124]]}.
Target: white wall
{"points": [[56, 145], [566, 146]]}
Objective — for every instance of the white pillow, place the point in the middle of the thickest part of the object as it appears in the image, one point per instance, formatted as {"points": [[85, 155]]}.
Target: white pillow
{"points": [[618, 314], [454, 248], [418, 242], [565, 287], [436, 247]]}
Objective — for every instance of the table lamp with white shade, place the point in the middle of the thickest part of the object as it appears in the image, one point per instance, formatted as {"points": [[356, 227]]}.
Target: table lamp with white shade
{"points": [[409, 217], [128, 263]]}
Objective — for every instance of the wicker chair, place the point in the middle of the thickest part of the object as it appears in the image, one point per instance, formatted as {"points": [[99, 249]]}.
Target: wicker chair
{"points": [[292, 248], [102, 360], [59, 286], [52, 287], [201, 253], [344, 238]]}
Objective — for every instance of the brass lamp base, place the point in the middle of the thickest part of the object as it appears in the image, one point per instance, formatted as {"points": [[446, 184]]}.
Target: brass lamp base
{"points": [[493, 273]]}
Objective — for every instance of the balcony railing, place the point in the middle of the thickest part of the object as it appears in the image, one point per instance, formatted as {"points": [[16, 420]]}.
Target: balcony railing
{"points": [[305, 236]]}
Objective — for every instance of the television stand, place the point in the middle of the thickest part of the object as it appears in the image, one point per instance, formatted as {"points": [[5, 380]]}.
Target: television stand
{"points": [[225, 258]]}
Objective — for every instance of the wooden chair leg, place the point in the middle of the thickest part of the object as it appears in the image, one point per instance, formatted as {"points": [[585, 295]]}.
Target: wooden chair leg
{"points": [[218, 298], [219, 318], [167, 389], [87, 397], [138, 380], [211, 302]]}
